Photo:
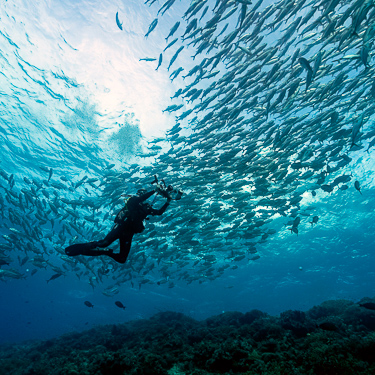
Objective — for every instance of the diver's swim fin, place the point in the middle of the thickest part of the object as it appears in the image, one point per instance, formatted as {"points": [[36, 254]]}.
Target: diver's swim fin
{"points": [[79, 248]]}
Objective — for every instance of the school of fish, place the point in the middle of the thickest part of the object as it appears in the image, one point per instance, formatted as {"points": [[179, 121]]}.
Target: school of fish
{"points": [[280, 99]]}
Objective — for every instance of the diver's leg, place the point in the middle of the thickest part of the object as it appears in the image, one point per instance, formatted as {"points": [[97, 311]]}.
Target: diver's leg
{"points": [[91, 252], [89, 248], [83, 249], [113, 235], [125, 245]]}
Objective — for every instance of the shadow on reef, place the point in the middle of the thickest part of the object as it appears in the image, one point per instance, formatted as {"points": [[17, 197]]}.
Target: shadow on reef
{"points": [[336, 337]]}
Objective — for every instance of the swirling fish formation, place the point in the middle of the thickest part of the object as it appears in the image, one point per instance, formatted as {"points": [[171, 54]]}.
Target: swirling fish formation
{"points": [[279, 101]]}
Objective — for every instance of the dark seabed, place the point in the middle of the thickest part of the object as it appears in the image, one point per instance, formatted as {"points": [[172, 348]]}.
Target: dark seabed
{"points": [[261, 112], [336, 337]]}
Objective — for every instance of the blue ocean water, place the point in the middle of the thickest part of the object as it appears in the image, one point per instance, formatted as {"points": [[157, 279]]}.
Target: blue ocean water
{"points": [[76, 99]]}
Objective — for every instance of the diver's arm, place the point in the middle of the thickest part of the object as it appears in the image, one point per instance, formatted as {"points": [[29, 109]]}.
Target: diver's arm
{"points": [[141, 198], [160, 211]]}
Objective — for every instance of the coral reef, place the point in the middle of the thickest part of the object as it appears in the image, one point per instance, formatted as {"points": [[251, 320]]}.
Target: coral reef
{"points": [[336, 337]]}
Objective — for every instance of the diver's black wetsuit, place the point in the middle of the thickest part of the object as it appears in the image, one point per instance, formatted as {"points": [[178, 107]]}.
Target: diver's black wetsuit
{"points": [[127, 222]]}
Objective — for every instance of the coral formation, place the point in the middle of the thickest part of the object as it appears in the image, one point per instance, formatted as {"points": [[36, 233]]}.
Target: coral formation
{"points": [[336, 337]]}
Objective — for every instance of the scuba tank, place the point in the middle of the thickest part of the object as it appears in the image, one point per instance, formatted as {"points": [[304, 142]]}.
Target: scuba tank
{"points": [[123, 214]]}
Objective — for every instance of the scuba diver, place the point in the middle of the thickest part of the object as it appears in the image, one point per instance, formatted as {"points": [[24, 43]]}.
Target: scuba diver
{"points": [[127, 222]]}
